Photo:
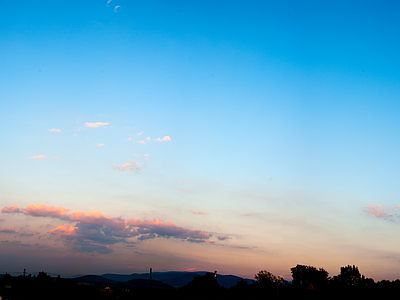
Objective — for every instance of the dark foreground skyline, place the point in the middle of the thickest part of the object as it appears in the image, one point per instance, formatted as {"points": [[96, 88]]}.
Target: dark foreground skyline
{"points": [[307, 282]]}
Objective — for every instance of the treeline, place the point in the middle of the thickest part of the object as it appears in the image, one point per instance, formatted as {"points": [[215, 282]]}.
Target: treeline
{"points": [[308, 282]]}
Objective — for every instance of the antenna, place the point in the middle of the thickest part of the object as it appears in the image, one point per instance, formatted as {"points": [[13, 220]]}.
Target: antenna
{"points": [[151, 273]]}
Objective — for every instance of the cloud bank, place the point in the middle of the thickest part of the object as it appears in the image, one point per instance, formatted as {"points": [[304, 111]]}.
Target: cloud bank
{"points": [[93, 231]]}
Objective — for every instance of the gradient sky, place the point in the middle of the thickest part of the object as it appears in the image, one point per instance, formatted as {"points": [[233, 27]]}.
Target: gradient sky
{"points": [[199, 135]]}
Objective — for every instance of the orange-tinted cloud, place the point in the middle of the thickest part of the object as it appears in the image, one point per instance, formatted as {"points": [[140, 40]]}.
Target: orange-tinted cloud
{"points": [[10, 209], [99, 145], [148, 139], [56, 130], [164, 139], [139, 134], [37, 157], [64, 230], [38, 210], [142, 142], [8, 230], [93, 231], [96, 124], [198, 212]]}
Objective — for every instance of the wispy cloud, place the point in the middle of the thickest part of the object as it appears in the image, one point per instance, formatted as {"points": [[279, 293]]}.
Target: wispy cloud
{"points": [[115, 9], [139, 134], [55, 157], [164, 139], [378, 211], [95, 125], [128, 167], [14, 243], [56, 130], [134, 154], [37, 157], [224, 237], [198, 212], [108, 2], [142, 142], [99, 145]]}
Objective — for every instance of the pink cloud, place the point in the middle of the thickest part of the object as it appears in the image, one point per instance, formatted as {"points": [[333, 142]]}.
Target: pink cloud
{"points": [[37, 157], [38, 210], [64, 230], [8, 230], [108, 2], [188, 191], [148, 139], [237, 192], [11, 209], [139, 134], [134, 154], [56, 130], [198, 212], [96, 124], [99, 145], [55, 157], [2, 219], [377, 213], [223, 237], [142, 142], [128, 167], [115, 9], [164, 139], [145, 155]]}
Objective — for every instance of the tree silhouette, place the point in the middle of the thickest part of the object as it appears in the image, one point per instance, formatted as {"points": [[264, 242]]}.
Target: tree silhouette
{"points": [[203, 285], [265, 277], [349, 275], [307, 275]]}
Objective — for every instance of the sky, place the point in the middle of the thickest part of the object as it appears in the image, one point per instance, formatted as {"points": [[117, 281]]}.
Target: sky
{"points": [[234, 136]]}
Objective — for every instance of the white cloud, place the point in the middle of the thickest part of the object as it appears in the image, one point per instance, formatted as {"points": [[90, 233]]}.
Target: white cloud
{"points": [[95, 125], [164, 139], [37, 157]]}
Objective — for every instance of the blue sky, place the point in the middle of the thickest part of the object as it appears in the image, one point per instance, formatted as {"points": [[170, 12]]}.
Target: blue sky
{"points": [[282, 119]]}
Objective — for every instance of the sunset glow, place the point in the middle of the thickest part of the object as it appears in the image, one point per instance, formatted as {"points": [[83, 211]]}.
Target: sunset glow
{"points": [[201, 135]]}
